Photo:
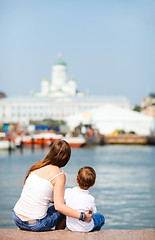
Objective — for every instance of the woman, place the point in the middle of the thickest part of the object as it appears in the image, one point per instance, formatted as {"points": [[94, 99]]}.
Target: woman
{"points": [[44, 183]]}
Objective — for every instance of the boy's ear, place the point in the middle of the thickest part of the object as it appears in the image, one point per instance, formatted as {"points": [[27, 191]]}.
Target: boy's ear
{"points": [[77, 180]]}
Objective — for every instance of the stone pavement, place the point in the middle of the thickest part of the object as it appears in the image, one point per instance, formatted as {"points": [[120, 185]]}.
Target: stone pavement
{"points": [[15, 234]]}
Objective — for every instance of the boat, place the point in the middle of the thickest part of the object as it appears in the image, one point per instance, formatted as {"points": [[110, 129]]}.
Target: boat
{"points": [[6, 143], [75, 141], [40, 139], [47, 139]]}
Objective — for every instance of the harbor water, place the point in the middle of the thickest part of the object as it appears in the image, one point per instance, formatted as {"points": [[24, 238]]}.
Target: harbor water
{"points": [[124, 188]]}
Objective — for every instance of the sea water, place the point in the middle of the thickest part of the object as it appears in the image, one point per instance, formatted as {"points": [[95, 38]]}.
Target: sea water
{"points": [[124, 188]]}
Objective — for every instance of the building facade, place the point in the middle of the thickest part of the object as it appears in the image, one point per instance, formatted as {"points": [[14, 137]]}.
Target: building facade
{"points": [[148, 105], [57, 99], [24, 109]]}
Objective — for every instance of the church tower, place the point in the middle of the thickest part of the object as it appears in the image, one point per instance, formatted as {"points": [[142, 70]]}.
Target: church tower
{"points": [[45, 87], [59, 86], [59, 74]]}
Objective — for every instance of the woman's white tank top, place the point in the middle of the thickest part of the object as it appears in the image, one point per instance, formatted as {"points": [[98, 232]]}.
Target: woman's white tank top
{"points": [[36, 195]]}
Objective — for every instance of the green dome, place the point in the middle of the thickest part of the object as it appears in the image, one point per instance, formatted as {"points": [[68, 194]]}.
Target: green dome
{"points": [[45, 79], [59, 61], [72, 79]]}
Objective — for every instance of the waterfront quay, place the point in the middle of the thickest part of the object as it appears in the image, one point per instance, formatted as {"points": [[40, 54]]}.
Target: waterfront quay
{"points": [[12, 136], [15, 234]]}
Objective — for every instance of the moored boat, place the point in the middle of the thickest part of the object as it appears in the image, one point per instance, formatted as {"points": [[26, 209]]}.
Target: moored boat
{"points": [[47, 139], [6, 145], [75, 141], [40, 139]]}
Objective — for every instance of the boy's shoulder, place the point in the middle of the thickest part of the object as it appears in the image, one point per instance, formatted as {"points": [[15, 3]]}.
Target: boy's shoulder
{"points": [[68, 193], [69, 190], [77, 191]]}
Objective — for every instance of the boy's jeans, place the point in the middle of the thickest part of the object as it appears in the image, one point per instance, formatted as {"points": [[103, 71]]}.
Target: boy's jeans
{"points": [[99, 221], [52, 218]]}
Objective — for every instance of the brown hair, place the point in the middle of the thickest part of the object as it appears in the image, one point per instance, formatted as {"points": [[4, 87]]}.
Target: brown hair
{"points": [[86, 177], [59, 155]]}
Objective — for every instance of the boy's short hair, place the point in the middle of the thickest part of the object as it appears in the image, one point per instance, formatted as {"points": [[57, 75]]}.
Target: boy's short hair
{"points": [[86, 177]]}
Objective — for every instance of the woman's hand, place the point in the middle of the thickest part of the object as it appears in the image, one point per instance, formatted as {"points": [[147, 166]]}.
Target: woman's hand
{"points": [[89, 216]]}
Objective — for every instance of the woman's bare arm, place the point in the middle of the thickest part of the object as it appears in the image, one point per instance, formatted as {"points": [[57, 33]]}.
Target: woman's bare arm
{"points": [[59, 200]]}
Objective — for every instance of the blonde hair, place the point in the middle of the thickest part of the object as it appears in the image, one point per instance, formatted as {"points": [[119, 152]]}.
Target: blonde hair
{"points": [[86, 177], [59, 155]]}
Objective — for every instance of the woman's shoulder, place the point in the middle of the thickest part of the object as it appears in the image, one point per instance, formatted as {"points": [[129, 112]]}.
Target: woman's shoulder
{"points": [[54, 169], [56, 172], [48, 172]]}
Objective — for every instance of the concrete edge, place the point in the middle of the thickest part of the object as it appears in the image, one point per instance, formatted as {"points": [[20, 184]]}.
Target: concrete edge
{"points": [[15, 234]]}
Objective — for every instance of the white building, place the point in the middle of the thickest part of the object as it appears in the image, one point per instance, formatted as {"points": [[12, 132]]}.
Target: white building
{"points": [[24, 109], [56, 100]]}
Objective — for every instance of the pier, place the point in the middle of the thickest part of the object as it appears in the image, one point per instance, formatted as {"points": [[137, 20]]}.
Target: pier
{"points": [[15, 234], [125, 139]]}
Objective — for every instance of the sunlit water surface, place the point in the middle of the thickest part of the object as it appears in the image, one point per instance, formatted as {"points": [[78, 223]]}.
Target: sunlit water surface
{"points": [[124, 188]]}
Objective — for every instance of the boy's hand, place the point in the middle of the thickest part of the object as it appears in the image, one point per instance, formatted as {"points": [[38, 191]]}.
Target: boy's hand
{"points": [[89, 216]]}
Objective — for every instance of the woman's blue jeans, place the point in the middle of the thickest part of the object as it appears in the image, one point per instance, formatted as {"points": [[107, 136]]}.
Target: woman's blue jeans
{"points": [[99, 221], [52, 218]]}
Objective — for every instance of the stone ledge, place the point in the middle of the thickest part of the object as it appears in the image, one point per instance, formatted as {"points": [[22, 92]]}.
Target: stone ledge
{"points": [[15, 234]]}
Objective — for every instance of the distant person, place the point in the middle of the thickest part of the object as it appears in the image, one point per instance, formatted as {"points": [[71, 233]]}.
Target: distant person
{"points": [[44, 183], [79, 199]]}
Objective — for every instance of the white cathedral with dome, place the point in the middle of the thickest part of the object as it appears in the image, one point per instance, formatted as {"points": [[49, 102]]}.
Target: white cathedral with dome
{"points": [[58, 99], [59, 86]]}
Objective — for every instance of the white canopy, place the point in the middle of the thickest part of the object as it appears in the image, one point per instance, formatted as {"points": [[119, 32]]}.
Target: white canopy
{"points": [[110, 118]]}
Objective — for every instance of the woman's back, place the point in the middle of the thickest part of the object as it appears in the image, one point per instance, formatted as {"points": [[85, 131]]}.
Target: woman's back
{"points": [[37, 193]]}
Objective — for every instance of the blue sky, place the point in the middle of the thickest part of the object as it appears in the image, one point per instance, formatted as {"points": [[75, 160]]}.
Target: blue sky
{"points": [[109, 46]]}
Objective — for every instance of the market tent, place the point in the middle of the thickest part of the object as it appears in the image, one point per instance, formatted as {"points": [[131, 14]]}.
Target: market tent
{"points": [[110, 118]]}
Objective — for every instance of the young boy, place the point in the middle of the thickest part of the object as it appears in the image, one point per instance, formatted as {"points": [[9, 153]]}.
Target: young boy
{"points": [[79, 199]]}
